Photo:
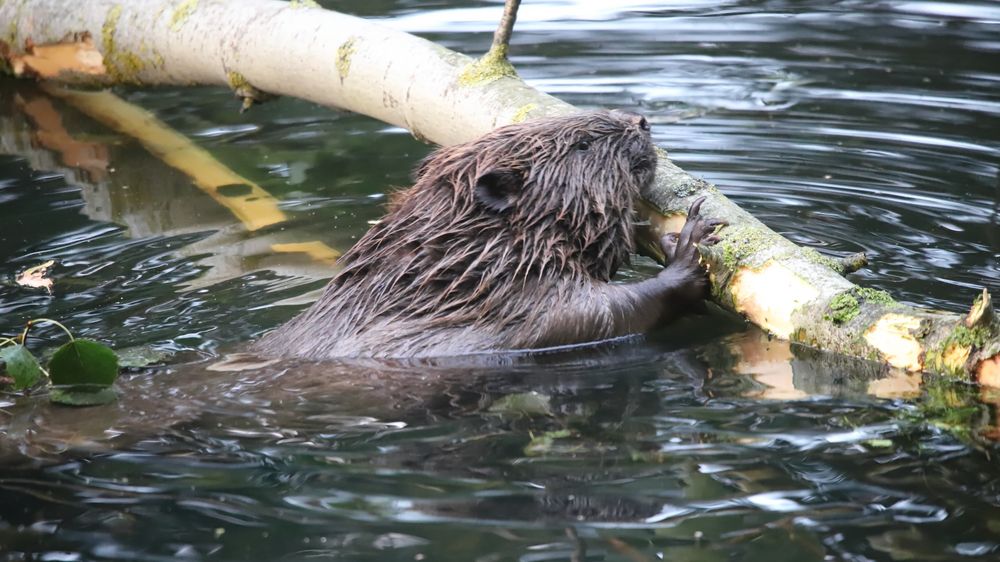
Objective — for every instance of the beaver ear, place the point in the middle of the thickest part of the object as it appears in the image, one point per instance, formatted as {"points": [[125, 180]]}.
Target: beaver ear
{"points": [[498, 189]]}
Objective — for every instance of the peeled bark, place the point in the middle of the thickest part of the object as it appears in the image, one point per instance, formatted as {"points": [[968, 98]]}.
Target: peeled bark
{"points": [[445, 97]]}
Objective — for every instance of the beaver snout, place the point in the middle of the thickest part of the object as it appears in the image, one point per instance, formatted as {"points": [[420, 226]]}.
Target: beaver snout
{"points": [[639, 147], [642, 155]]}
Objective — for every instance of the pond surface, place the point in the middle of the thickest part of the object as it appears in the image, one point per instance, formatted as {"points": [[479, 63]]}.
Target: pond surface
{"points": [[846, 126]]}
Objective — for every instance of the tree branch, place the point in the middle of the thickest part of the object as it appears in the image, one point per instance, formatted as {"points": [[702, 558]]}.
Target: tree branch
{"points": [[501, 38]]}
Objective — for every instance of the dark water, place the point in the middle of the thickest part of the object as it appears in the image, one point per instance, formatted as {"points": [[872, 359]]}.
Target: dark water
{"points": [[844, 125]]}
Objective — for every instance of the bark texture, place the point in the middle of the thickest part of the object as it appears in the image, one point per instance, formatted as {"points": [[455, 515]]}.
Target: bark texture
{"points": [[265, 47]]}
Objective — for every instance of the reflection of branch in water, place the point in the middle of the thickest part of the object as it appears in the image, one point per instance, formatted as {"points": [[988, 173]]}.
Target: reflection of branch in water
{"points": [[579, 548], [253, 206], [50, 133], [994, 230], [249, 202], [158, 203], [627, 550]]}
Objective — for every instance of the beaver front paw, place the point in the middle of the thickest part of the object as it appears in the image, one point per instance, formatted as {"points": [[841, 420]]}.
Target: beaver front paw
{"points": [[681, 249]]}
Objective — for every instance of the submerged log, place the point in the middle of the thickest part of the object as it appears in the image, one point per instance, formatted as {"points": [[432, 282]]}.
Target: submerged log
{"points": [[446, 97]]}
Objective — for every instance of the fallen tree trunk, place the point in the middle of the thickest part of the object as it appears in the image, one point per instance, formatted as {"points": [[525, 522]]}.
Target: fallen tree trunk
{"points": [[445, 97]]}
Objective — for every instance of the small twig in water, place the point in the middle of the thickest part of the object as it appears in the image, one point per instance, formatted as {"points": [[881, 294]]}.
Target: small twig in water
{"points": [[853, 262], [995, 218], [627, 550], [579, 548]]}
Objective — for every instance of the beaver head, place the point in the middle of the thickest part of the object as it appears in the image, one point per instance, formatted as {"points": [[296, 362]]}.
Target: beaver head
{"points": [[491, 232], [563, 187]]}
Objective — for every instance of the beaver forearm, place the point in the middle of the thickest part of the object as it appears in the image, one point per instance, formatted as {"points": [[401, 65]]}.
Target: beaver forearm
{"points": [[603, 310], [642, 306], [635, 308], [599, 311]]}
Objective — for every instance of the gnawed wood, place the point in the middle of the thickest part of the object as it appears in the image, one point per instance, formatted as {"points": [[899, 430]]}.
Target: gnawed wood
{"points": [[57, 60]]}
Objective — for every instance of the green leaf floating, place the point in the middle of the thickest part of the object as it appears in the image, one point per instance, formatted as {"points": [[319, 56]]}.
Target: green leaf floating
{"points": [[523, 404], [141, 356], [21, 366], [83, 362]]}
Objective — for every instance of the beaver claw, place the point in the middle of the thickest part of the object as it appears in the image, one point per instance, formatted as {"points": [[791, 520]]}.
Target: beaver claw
{"points": [[681, 250]]}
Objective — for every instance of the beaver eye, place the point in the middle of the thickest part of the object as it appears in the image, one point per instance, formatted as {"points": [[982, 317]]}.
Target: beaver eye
{"points": [[582, 145]]}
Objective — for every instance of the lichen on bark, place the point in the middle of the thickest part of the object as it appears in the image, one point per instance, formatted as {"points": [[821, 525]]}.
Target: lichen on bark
{"points": [[123, 66], [181, 13], [491, 67], [344, 55]]}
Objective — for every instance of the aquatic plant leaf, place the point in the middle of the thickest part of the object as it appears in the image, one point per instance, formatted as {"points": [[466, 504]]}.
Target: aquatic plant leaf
{"points": [[21, 365], [542, 444], [141, 356], [83, 362], [523, 404], [82, 395]]}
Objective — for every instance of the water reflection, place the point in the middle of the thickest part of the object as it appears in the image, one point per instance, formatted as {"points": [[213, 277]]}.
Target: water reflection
{"points": [[635, 448]]}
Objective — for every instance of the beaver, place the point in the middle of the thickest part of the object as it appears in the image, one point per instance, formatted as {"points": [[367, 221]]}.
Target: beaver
{"points": [[505, 243]]}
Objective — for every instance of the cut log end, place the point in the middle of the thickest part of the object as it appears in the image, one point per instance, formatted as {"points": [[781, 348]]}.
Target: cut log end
{"points": [[988, 373], [769, 296], [893, 337]]}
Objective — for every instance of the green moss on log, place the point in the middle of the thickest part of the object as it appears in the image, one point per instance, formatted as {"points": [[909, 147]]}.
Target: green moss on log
{"points": [[236, 80], [690, 186], [522, 112], [739, 243], [842, 308], [108, 30], [181, 13], [847, 305], [344, 55], [818, 258], [491, 67], [873, 296], [123, 66], [967, 337], [953, 352]]}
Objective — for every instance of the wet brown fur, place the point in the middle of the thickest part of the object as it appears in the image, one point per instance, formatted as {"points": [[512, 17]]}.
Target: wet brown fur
{"points": [[456, 267]]}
